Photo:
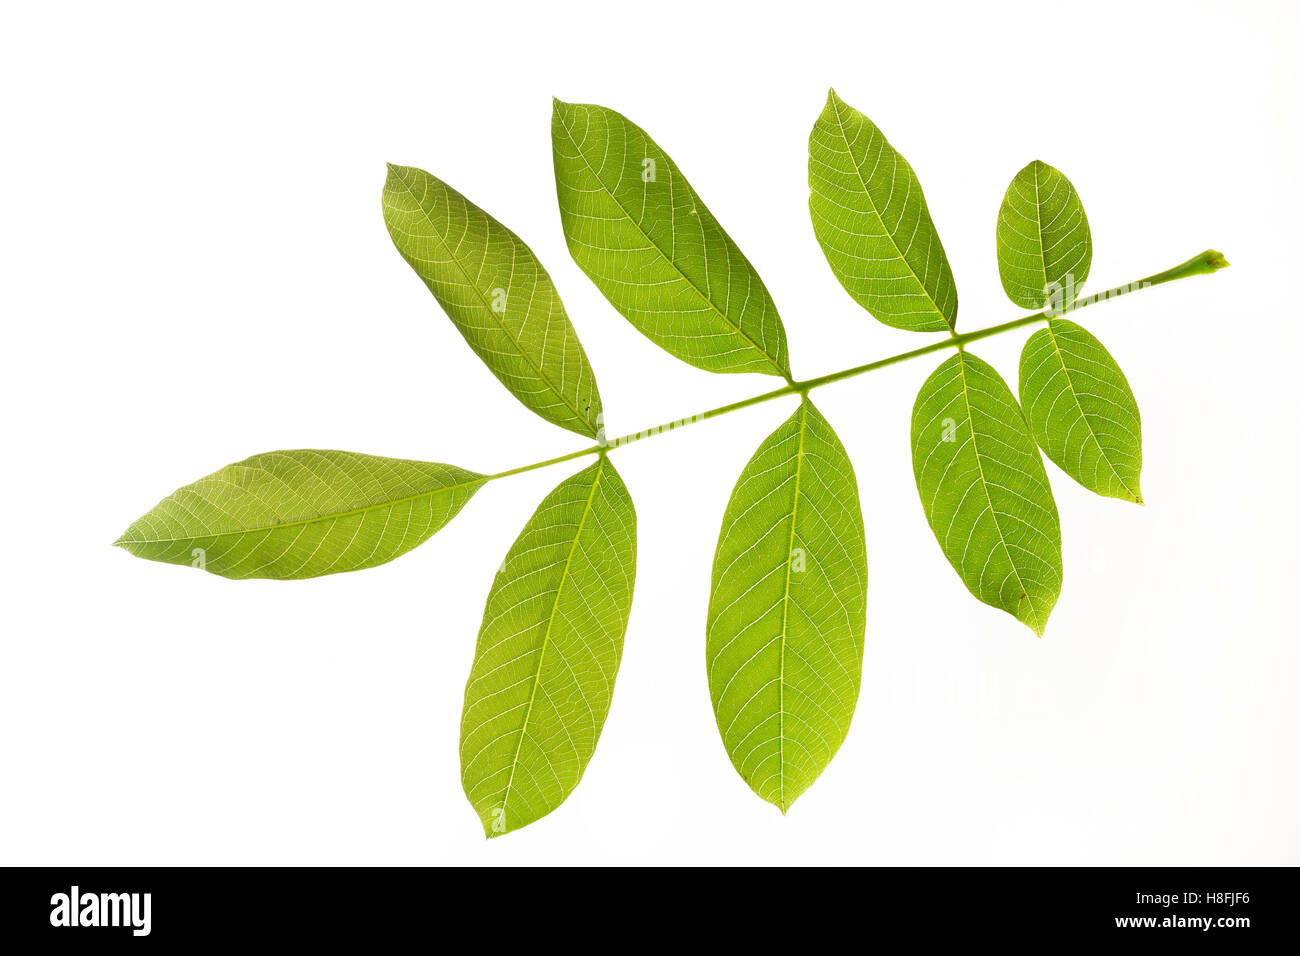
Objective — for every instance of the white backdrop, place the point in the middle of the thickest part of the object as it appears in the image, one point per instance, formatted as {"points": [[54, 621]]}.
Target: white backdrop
{"points": [[196, 269]]}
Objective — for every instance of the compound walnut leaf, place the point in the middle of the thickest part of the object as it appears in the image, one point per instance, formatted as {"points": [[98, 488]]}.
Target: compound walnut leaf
{"points": [[1044, 244], [985, 491], [302, 513], [787, 612], [548, 651], [498, 295], [650, 245], [872, 222], [1081, 410]]}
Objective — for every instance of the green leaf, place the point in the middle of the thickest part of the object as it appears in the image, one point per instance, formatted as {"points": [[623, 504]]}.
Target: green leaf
{"points": [[548, 651], [643, 236], [300, 514], [788, 609], [985, 491], [1044, 245], [1081, 410], [872, 222], [498, 295]]}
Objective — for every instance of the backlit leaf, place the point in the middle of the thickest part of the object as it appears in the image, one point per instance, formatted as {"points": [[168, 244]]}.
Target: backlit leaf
{"points": [[1081, 410], [788, 609], [497, 294], [302, 513], [985, 491], [1044, 244], [873, 224], [548, 651], [638, 229]]}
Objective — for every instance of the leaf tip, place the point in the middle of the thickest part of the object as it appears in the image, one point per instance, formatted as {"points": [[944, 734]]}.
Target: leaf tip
{"points": [[1129, 490], [785, 800], [1027, 614], [1215, 259], [493, 822], [1039, 627]]}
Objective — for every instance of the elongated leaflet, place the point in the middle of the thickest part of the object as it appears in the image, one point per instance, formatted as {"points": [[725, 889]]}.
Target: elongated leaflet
{"points": [[548, 651], [788, 608], [1081, 410], [984, 489], [648, 242], [497, 294], [302, 513], [872, 222]]}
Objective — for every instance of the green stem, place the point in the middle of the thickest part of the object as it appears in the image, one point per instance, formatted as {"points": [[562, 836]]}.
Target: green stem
{"points": [[1207, 262], [542, 464]]}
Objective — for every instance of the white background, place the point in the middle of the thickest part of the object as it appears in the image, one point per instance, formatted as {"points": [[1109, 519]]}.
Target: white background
{"points": [[195, 269]]}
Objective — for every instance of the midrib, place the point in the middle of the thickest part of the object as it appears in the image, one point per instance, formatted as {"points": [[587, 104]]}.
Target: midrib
{"points": [[785, 602], [1069, 382], [546, 638], [979, 464], [333, 516]]}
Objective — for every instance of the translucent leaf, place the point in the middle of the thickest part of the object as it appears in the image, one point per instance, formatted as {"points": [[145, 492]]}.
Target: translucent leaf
{"points": [[1081, 410], [302, 513], [643, 236], [788, 609], [985, 491], [1044, 245], [497, 294], [548, 651], [872, 222]]}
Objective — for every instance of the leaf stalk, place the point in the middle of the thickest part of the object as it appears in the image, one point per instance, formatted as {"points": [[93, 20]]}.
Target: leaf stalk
{"points": [[1203, 264]]}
